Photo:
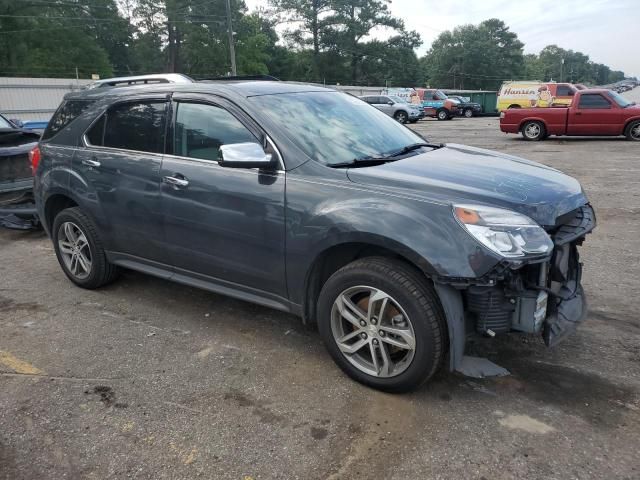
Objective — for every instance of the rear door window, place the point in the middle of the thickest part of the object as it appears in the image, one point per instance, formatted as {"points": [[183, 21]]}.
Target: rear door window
{"points": [[66, 113], [138, 126], [593, 100], [201, 129]]}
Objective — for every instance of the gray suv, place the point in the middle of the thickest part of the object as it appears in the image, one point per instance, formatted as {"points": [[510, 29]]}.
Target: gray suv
{"points": [[396, 107], [310, 201]]}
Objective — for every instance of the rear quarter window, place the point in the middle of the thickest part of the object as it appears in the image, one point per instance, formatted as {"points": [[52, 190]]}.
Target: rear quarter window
{"points": [[67, 112]]}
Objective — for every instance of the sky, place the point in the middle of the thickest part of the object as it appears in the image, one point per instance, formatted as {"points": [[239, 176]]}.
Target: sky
{"points": [[605, 30]]}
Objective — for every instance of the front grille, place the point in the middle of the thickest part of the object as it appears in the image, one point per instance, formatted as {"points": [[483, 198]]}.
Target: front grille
{"points": [[15, 167], [574, 225]]}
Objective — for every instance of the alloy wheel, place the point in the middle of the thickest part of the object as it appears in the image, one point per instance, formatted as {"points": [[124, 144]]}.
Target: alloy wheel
{"points": [[74, 250], [635, 132], [532, 130], [372, 331]]}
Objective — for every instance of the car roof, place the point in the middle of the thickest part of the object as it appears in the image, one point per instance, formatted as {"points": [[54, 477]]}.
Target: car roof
{"points": [[230, 87]]}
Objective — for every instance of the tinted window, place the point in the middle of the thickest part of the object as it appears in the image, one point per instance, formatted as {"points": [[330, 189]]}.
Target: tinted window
{"points": [[593, 100], [200, 130], [95, 135], [564, 91], [136, 126], [333, 127], [66, 113]]}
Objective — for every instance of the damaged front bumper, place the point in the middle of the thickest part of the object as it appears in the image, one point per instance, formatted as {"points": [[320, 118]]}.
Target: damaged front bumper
{"points": [[543, 295]]}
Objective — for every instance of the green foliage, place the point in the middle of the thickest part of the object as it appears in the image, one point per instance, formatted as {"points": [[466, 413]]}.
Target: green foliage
{"points": [[474, 57], [330, 41]]}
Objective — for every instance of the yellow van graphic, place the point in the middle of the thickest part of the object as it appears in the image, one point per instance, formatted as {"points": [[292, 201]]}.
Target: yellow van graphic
{"points": [[534, 94]]}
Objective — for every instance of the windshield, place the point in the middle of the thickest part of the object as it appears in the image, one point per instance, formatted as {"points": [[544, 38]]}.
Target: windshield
{"points": [[397, 99], [440, 96], [333, 127], [4, 123], [619, 99]]}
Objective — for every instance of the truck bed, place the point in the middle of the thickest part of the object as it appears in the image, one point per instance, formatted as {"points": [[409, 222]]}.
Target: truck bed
{"points": [[555, 119]]}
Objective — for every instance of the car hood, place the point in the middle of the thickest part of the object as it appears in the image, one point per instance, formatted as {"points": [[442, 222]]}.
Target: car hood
{"points": [[458, 174]]}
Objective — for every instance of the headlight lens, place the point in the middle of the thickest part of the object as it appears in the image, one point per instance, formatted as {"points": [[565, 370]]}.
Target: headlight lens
{"points": [[505, 232]]}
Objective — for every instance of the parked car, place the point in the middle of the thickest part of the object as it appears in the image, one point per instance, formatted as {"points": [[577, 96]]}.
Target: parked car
{"points": [[436, 104], [395, 107], [310, 201], [593, 112], [17, 209], [466, 107], [534, 94]]}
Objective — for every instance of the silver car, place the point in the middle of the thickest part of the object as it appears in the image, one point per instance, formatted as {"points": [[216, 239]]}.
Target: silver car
{"points": [[395, 107]]}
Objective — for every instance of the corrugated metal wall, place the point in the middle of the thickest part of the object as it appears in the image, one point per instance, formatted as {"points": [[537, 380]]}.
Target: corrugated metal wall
{"points": [[34, 98]]}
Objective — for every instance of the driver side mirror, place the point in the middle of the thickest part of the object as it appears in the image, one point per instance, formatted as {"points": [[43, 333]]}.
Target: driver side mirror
{"points": [[245, 155], [390, 102]]}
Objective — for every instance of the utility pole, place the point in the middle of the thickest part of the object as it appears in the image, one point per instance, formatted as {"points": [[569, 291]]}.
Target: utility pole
{"points": [[232, 50], [561, 66]]}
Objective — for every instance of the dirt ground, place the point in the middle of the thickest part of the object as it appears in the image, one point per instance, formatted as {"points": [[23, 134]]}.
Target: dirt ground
{"points": [[152, 380]]}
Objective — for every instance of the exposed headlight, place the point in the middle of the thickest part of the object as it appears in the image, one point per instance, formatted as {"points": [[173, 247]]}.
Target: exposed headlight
{"points": [[505, 232]]}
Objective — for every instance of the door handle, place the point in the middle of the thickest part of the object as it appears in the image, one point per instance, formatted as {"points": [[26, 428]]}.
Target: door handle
{"points": [[91, 163], [176, 182], [578, 113]]}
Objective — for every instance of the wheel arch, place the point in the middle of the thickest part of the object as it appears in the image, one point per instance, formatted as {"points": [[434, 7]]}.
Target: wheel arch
{"points": [[334, 257], [533, 119], [628, 124], [53, 205]]}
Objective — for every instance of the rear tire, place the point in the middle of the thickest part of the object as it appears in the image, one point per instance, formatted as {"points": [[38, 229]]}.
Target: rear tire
{"points": [[632, 132], [405, 302], [401, 117], [442, 114], [533, 131], [80, 251]]}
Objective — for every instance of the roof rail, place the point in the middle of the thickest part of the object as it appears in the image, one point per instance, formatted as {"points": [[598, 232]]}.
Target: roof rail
{"points": [[141, 80], [245, 77]]}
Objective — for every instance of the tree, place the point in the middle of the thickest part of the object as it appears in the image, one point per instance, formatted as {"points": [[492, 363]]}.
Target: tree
{"points": [[310, 19], [54, 39], [472, 56], [354, 21]]}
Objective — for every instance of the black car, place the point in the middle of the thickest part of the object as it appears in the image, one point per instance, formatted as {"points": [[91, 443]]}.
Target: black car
{"points": [[311, 201], [467, 108], [17, 209]]}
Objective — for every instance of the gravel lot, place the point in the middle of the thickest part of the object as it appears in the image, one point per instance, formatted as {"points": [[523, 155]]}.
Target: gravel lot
{"points": [[149, 379]]}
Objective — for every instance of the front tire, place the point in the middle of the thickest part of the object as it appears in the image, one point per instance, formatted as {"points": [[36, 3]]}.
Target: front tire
{"points": [[633, 131], [383, 324], [442, 114], [80, 251], [533, 131]]}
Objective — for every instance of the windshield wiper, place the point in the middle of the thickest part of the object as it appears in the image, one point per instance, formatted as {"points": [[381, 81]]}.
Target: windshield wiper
{"points": [[362, 162], [412, 147], [368, 160]]}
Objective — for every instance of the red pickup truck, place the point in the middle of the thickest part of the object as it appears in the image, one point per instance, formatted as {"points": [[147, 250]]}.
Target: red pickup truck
{"points": [[592, 112]]}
